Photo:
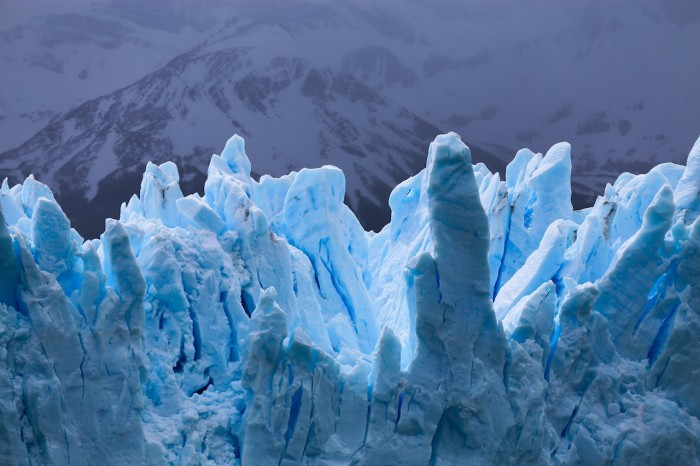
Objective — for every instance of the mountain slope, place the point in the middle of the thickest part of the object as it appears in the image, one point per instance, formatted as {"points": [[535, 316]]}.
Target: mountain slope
{"points": [[92, 156]]}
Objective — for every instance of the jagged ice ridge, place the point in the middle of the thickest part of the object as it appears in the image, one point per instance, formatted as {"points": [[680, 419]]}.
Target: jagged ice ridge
{"points": [[488, 323]]}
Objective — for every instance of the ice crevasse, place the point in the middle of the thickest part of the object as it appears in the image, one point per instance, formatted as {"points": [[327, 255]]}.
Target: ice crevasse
{"points": [[487, 324]]}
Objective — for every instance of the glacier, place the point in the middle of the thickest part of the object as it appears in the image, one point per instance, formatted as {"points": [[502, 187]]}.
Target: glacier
{"points": [[489, 323]]}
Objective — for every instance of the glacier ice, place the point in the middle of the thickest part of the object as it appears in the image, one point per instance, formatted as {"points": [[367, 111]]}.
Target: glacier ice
{"points": [[487, 323]]}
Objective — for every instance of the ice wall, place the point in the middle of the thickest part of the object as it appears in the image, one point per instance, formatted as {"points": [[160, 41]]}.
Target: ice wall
{"points": [[488, 323]]}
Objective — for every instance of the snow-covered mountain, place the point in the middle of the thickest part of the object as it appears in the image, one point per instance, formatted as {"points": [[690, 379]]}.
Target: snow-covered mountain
{"points": [[488, 323], [97, 150], [56, 56], [78, 88], [95, 153]]}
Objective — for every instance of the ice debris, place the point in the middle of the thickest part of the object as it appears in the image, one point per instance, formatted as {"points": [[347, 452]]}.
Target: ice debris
{"points": [[487, 323]]}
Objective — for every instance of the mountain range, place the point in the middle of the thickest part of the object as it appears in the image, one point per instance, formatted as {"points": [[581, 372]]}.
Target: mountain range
{"points": [[92, 91]]}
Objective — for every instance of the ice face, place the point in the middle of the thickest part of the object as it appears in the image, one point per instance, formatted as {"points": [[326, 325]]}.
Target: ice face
{"points": [[487, 323]]}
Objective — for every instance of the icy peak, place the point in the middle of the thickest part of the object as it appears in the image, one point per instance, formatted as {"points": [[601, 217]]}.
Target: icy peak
{"points": [[687, 194], [488, 323]]}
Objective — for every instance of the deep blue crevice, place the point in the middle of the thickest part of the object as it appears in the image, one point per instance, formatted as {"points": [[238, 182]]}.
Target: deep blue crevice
{"points": [[316, 279], [236, 447], [342, 292], [652, 299], [570, 421], [499, 276], [437, 284], [182, 358], [247, 303], [559, 285], [310, 433], [339, 287], [662, 371], [161, 319], [662, 335], [294, 411], [398, 412], [553, 342], [10, 271], [527, 216], [658, 292], [233, 334], [196, 336]]}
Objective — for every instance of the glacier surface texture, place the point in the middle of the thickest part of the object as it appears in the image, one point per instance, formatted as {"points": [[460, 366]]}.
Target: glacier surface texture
{"points": [[487, 324]]}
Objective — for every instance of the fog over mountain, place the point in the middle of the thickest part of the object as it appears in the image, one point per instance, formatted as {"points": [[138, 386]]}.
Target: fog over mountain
{"points": [[91, 91]]}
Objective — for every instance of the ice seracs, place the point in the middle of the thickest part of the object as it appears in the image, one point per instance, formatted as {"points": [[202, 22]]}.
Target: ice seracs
{"points": [[487, 323]]}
